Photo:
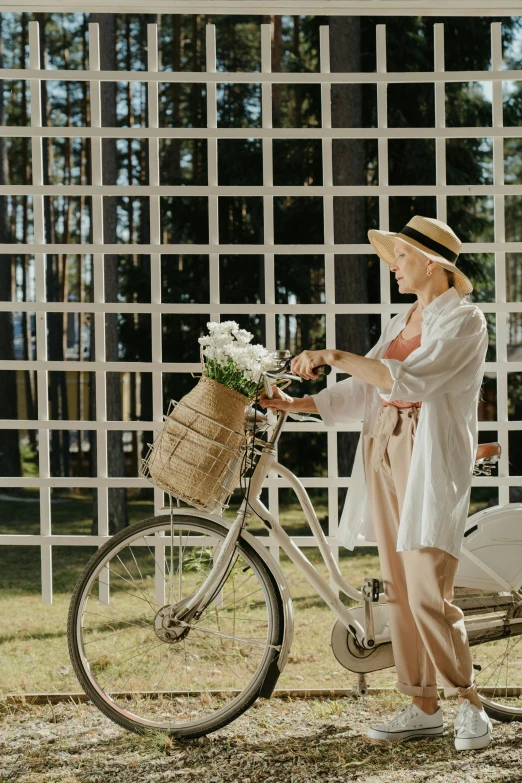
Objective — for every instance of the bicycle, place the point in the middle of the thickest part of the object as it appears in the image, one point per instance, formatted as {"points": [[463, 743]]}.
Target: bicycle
{"points": [[180, 622]]}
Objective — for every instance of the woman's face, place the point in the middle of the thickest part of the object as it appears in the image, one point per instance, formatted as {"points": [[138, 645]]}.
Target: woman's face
{"points": [[409, 268]]}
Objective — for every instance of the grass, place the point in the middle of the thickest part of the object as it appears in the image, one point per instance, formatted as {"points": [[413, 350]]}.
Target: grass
{"points": [[36, 633]]}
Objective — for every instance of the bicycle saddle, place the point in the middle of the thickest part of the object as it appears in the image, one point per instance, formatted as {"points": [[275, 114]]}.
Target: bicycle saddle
{"points": [[488, 450]]}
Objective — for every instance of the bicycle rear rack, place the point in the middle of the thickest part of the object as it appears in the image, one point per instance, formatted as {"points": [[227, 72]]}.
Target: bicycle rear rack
{"points": [[484, 466]]}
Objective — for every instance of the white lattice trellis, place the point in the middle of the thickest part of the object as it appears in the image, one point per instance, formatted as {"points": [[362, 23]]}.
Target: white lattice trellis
{"points": [[156, 308]]}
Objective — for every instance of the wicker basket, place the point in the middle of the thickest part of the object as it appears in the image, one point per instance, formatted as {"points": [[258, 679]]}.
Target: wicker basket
{"points": [[197, 456]]}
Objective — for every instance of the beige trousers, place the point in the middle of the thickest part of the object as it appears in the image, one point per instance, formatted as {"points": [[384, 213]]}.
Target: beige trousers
{"points": [[427, 630]]}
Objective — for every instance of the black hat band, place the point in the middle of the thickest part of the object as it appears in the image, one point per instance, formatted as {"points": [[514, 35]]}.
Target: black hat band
{"points": [[442, 250]]}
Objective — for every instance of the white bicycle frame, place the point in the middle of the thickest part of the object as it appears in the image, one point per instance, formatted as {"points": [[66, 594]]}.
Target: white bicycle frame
{"points": [[267, 462]]}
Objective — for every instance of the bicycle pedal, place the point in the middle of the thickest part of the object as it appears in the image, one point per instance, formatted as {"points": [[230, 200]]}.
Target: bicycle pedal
{"points": [[370, 589]]}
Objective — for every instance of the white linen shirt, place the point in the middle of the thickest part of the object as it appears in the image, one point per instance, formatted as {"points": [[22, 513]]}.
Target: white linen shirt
{"points": [[445, 373]]}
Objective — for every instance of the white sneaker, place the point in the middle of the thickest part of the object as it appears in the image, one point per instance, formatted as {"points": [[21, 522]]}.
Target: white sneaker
{"points": [[407, 722], [473, 727]]}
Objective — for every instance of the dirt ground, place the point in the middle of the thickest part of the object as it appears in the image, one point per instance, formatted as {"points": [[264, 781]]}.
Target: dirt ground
{"points": [[279, 740]]}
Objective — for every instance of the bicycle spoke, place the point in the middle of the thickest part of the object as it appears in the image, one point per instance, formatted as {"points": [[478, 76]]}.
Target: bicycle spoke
{"points": [[119, 646], [112, 571], [151, 646], [222, 659], [103, 616], [498, 675], [253, 642], [144, 594], [136, 668], [162, 572], [180, 564], [132, 647], [167, 655], [132, 595], [222, 609], [108, 635], [502, 654], [186, 653], [171, 567], [136, 563], [507, 672]]}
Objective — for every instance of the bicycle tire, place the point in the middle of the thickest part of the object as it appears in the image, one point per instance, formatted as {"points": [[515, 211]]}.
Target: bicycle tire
{"points": [[502, 713], [241, 702]]}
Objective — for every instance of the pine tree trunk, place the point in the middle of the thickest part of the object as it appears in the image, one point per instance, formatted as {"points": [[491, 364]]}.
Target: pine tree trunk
{"points": [[144, 401], [29, 376], [10, 461], [84, 169], [277, 53], [118, 516], [55, 321], [175, 147], [92, 462], [63, 266], [298, 92], [351, 271], [196, 108]]}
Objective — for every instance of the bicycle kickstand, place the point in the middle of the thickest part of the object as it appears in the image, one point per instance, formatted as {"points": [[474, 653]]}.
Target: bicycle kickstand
{"points": [[361, 686], [370, 593]]}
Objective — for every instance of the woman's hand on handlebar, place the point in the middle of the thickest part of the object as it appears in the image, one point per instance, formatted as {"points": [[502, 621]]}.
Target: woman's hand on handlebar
{"points": [[303, 363], [280, 401]]}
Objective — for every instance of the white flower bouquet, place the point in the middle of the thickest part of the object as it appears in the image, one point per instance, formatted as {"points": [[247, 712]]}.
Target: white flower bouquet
{"points": [[198, 455], [229, 357]]}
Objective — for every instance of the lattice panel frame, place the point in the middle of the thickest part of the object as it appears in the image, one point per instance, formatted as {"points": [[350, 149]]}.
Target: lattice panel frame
{"points": [[212, 191]]}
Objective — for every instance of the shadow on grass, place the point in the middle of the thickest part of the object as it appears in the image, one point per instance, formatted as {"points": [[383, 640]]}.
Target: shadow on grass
{"points": [[114, 624], [324, 740], [20, 566], [332, 750], [71, 514], [33, 636]]}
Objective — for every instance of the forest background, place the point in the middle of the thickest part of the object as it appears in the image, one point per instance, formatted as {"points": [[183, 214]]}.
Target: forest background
{"points": [[185, 278]]}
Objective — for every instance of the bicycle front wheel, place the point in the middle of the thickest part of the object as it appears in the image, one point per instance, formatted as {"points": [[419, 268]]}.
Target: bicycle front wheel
{"points": [[138, 673]]}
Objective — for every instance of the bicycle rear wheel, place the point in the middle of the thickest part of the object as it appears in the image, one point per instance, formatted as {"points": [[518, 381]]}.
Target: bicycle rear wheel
{"points": [[138, 672], [495, 639]]}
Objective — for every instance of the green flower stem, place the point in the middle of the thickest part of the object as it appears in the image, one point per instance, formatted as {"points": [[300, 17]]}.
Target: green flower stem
{"points": [[231, 376]]}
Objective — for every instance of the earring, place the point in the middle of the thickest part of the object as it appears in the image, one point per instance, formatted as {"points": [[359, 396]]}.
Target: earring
{"points": [[428, 272]]}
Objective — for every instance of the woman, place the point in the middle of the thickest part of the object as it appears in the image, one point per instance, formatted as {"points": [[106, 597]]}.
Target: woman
{"points": [[417, 393]]}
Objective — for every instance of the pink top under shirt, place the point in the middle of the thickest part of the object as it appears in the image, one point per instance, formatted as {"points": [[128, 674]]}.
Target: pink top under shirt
{"points": [[399, 348]]}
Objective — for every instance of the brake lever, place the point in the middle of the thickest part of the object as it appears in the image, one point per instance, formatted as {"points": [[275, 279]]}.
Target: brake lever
{"points": [[267, 386], [302, 417], [321, 369]]}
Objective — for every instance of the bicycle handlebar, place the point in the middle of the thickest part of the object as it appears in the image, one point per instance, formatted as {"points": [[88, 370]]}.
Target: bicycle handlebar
{"points": [[322, 369]]}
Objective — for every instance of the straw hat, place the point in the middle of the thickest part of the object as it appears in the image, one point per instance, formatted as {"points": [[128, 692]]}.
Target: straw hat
{"points": [[432, 237]]}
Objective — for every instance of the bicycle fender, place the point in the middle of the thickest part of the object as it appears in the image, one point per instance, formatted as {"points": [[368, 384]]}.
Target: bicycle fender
{"points": [[494, 535]]}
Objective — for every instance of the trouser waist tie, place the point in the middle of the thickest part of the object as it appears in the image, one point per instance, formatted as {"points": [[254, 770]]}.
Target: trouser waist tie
{"points": [[384, 427]]}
